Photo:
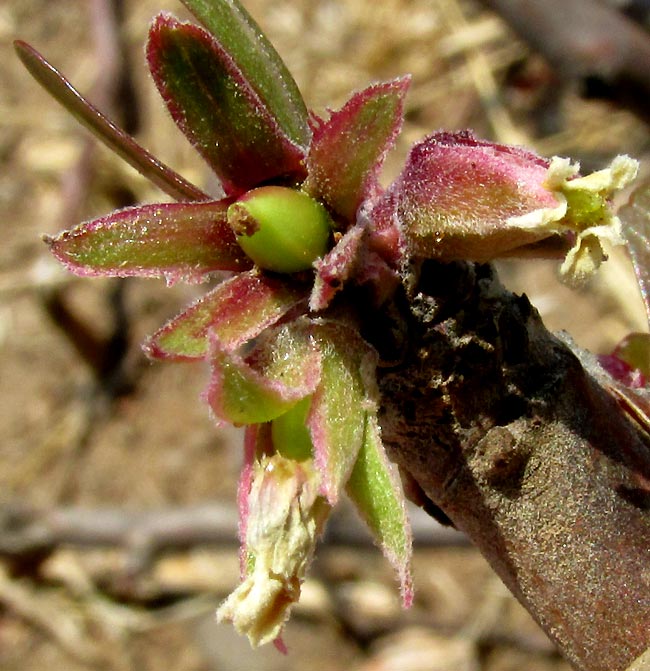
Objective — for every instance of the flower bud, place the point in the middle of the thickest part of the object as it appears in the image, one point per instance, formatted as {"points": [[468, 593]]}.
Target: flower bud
{"points": [[280, 229], [463, 198]]}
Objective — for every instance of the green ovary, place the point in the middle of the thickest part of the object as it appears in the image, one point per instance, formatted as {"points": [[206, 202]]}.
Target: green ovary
{"points": [[290, 434], [280, 229], [585, 208]]}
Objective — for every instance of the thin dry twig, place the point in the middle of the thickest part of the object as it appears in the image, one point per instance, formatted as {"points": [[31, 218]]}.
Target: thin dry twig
{"points": [[589, 43], [142, 535]]}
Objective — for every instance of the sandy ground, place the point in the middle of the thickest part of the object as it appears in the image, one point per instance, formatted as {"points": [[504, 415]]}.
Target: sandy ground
{"points": [[156, 446]]}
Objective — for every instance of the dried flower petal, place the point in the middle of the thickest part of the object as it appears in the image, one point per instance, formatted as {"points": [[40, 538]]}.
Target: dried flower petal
{"points": [[285, 517], [588, 212]]}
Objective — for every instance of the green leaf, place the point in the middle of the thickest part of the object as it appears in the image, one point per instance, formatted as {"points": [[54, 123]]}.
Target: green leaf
{"points": [[290, 434], [177, 241], [337, 416], [213, 103], [111, 135], [283, 368], [241, 37], [376, 490], [237, 310], [349, 148]]}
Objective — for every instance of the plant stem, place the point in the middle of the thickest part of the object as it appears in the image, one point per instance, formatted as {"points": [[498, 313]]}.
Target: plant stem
{"points": [[519, 439]]}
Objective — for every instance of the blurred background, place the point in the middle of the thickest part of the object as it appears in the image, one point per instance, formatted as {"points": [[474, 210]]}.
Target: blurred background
{"points": [[117, 528]]}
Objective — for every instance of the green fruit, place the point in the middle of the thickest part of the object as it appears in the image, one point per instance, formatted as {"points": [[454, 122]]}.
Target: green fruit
{"points": [[280, 229]]}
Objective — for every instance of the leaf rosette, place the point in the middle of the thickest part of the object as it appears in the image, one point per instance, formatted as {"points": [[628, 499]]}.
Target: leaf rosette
{"points": [[305, 233]]}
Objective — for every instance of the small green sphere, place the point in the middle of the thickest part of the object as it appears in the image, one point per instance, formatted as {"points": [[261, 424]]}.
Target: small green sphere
{"points": [[280, 229]]}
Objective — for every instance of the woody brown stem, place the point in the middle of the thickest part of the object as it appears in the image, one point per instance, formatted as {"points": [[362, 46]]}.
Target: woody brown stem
{"points": [[519, 440]]}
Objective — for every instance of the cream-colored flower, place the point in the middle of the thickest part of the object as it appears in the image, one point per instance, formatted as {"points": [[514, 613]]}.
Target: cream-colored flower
{"points": [[583, 209], [285, 518]]}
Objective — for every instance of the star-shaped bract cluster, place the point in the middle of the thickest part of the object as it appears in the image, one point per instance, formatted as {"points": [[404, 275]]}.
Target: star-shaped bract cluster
{"points": [[303, 229]]}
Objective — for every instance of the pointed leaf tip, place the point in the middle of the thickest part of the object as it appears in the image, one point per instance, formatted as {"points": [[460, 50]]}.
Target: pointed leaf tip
{"points": [[213, 103], [237, 310], [349, 148], [176, 241], [376, 490]]}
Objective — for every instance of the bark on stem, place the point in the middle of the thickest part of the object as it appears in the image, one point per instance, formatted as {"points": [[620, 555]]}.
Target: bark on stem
{"points": [[519, 440]]}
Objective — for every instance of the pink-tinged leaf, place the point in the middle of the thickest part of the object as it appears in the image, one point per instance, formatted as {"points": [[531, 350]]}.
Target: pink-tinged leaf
{"points": [[376, 490], [177, 241], [280, 646], [282, 369], [377, 275], [111, 135], [456, 194], [634, 349], [629, 363], [635, 218], [336, 268], [622, 372], [237, 310], [240, 36], [384, 232], [213, 103], [348, 149], [336, 418]]}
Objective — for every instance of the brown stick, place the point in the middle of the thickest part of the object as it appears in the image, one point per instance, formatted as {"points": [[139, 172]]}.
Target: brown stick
{"points": [[525, 449], [589, 41], [30, 532]]}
